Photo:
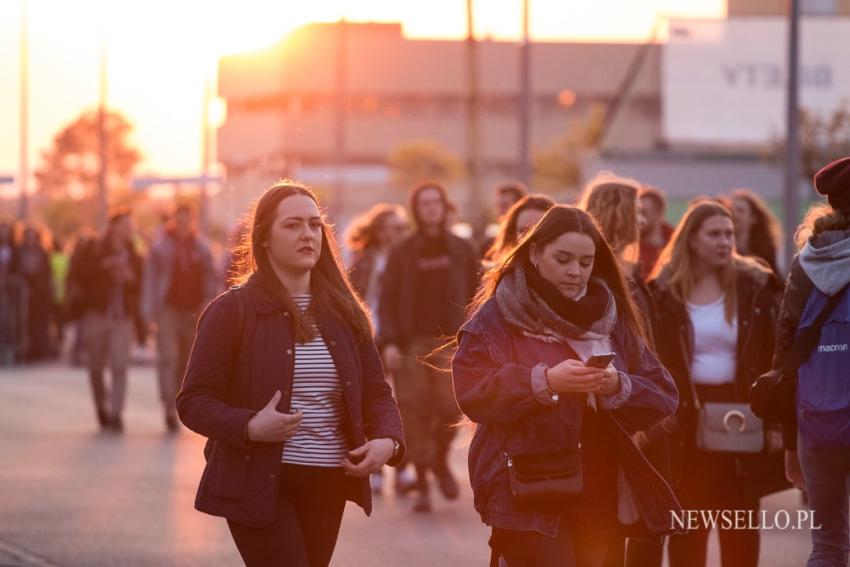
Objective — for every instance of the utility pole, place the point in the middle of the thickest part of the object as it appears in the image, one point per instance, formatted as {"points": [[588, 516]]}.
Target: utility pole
{"points": [[525, 99], [339, 122], [792, 135], [23, 170], [203, 203], [102, 139], [472, 134]]}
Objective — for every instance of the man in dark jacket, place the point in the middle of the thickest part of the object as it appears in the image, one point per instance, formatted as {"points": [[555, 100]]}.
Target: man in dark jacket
{"points": [[180, 279], [430, 278], [822, 264], [110, 273]]}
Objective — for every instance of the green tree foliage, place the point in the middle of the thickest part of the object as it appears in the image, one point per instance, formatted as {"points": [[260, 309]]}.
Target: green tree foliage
{"points": [[415, 160]]}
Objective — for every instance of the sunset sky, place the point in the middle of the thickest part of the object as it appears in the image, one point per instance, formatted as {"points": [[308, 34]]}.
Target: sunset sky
{"points": [[160, 52]]}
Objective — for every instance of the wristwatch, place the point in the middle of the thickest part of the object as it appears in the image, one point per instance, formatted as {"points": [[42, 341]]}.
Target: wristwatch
{"points": [[396, 449]]}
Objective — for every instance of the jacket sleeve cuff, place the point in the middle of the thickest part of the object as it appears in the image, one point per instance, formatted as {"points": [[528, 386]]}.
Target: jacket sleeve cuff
{"points": [[615, 401], [540, 386]]}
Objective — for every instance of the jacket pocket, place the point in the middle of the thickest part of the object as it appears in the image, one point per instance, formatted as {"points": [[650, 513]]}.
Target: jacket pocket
{"points": [[227, 470]]}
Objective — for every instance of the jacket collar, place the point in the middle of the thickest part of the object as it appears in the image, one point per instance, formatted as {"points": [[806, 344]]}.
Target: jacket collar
{"points": [[264, 301]]}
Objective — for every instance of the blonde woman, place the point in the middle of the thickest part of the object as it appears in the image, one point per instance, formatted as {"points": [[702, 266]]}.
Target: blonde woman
{"points": [[715, 324]]}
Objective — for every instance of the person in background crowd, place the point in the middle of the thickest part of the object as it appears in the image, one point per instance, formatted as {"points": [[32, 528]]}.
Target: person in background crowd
{"points": [[519, 373], [715, 325], [34, 266], [508, 194], [430, 278], [75, 295], [59, 263], [614, 204], [370, 239], [822, 265], [286, 382], [109, 273], [8, 249], [179, 280], [516, 221], [656, 231], [757, 231], [12, 286]]}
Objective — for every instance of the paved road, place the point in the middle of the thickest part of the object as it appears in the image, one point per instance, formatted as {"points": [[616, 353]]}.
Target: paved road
{"points": [[70, 495]]}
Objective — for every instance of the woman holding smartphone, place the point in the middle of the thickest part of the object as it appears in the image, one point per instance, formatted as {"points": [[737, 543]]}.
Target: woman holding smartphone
{"points": [[285, 381], [521, 373]]}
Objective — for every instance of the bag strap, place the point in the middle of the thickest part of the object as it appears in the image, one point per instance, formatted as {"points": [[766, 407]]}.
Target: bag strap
{"points": [[808, 339]]}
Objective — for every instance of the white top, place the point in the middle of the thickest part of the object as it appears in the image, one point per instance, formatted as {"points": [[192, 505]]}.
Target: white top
{"points": [[316, 391], [715, 344]]}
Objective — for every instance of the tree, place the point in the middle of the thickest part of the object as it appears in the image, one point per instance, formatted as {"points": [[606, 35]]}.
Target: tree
{"points": [[824, 139], [415, 160], [70, 167], [558, 166]]}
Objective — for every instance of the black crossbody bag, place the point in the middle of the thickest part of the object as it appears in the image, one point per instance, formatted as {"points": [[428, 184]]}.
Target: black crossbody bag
{"points": [[773, 396], [545, 479]]}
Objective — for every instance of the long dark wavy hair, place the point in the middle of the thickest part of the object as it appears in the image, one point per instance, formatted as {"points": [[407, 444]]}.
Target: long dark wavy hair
{"points": [[559, 220], [331, 290]]}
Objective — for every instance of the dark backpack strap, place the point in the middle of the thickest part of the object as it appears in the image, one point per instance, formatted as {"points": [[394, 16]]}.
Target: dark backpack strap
{"points": [[808, 339]]}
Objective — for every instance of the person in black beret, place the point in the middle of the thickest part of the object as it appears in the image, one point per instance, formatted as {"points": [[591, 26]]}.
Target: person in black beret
{"points": [[821, 267]]}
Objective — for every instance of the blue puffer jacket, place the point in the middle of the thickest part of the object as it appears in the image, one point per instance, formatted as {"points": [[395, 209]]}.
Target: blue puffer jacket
{"points": [[493, 372]]}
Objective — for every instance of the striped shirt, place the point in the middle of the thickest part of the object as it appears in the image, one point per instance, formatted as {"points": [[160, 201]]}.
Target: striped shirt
{"points": [[316, 391]]}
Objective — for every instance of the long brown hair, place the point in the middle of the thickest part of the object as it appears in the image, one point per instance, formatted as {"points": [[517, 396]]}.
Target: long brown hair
{"points": [[766, 228], [679, 266], [819, 218], [558, 220], [363, 232], [331, 290], [507, 236], [612, 202]]}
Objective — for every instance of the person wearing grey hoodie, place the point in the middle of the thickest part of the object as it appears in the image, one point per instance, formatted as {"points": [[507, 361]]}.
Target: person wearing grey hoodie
{"points": [[823, 264]]}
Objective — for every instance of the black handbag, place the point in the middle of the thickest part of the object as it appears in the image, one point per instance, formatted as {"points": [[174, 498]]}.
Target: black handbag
{"points": [[773, 396], [545, 479]]}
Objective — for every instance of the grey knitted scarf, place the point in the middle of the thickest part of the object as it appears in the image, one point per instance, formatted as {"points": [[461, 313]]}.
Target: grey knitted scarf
{"points": [[524, 308]]}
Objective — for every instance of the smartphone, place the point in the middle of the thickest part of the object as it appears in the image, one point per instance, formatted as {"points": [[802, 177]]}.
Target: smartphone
{"points": [[600, 360]]}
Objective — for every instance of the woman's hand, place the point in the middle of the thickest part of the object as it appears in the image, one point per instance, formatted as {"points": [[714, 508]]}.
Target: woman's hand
{"points": [[610, 383], [271, 426], [572, 376], [793, 472], [369, 457]]}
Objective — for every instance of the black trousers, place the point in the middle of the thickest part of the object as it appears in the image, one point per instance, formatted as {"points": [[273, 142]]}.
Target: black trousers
{"points": [[310, 506], [582, 541], [711, 481]]}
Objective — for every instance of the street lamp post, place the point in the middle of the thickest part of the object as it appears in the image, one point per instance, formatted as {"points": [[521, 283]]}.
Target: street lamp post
{"points": [[525, 100], [23, 174], [792, 136], [472, 134], [102, 138]]}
